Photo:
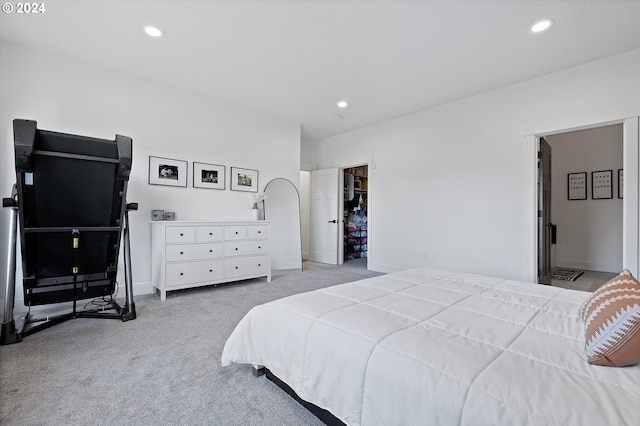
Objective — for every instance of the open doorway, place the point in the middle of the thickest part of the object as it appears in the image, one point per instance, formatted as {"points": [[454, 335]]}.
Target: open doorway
{"points": [[355, 216], [335, 215], [586, 207]]}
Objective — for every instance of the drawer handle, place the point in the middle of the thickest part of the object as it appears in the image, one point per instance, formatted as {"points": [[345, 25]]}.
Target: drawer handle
{"points": [[210, 251], [236, 232], [259, 232], [236, 267], [181, 273], [259, 247], [181, 252], [181, 234], [210, 270], [210, 233], [259, 264], [236, 248]]}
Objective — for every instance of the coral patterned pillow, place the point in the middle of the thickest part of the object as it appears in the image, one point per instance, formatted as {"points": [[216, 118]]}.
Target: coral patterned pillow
{"points": [[612, 320]]}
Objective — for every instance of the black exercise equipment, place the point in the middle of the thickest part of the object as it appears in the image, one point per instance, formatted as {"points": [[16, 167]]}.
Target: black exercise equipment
{"points": [[70, 201]]}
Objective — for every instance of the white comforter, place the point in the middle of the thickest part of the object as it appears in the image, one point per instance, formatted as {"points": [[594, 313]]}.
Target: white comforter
{"points": [[426, 347]]}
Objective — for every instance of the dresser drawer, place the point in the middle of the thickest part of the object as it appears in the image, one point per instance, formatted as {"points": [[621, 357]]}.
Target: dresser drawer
{"points": [[180, 234], [242, 266], [180, 252], [243, 248], [194, 272], [238, 232], [209, 233], [257, 232]]}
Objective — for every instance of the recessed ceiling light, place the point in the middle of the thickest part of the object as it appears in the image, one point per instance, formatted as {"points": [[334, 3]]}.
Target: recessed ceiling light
{"points": [[343, 104], [153, 31], [542, 26]]}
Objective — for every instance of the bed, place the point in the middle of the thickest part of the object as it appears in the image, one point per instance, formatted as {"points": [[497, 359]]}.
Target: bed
{"points": [[429, 347]]}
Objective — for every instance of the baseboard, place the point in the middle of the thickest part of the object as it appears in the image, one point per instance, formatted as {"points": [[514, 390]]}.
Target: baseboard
{"points": [[386, 269], [142, 288], [280, 271], [286, 266]]}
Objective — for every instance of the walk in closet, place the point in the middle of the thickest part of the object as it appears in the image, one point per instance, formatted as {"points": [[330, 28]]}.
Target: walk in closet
{"points": [[355, 212]]}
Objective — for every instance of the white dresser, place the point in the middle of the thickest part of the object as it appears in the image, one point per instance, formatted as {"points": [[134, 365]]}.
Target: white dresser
{"points": [[192, 254]]}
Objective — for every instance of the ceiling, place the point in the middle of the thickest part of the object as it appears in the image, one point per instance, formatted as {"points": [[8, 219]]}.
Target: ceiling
{"points": [[296, 59]]}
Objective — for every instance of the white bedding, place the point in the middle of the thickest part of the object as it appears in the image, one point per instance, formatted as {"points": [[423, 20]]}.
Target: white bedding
{"points": [[427, 347]]}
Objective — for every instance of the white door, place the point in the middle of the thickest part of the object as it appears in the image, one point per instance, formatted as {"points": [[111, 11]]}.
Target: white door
{"points": [[325, 216]]}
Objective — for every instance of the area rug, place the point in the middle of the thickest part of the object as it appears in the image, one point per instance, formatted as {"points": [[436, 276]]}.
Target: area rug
{"points": [[566, 274]]}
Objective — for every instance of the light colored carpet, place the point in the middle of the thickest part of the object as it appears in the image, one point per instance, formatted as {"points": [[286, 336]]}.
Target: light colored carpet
{"points": [[162, 368]]}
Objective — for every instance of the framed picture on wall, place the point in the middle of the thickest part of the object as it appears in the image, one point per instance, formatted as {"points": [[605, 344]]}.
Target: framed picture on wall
{"points": [[620, 183], [601, 184], [244, 179], [577, 186], [210, 176], [167, 171]]}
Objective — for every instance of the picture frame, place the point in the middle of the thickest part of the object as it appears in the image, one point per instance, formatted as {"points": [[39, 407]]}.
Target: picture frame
{"points": [[168, 171], [577, 186], [244, 179], [601, 185], [209, 176], [620, 183]]}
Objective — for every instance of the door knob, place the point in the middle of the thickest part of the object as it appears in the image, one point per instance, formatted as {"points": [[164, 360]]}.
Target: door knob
{"points": [[333, 221]]}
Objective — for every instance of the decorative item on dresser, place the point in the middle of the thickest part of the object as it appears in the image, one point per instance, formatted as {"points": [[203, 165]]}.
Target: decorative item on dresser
{"points": [[255, 199], [157, 215], [193, 254]]}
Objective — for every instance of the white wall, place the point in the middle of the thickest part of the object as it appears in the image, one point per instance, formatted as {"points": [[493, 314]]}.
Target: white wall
{"points": [[589, 231], [305, 212], [308, 154], [451, 186], [72, 97]]}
